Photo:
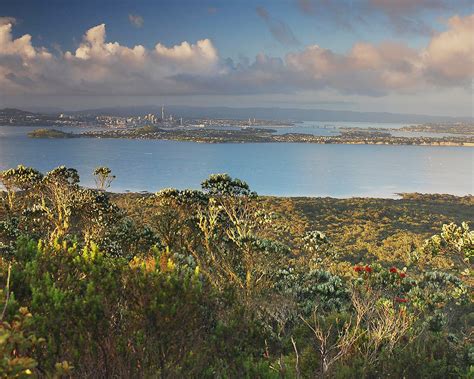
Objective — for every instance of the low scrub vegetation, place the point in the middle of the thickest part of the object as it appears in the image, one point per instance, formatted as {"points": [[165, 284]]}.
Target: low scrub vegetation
{"points": [[220, 282]]}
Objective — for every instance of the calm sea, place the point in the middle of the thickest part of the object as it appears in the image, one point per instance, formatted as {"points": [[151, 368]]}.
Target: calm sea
{"points": [[284, 169]]}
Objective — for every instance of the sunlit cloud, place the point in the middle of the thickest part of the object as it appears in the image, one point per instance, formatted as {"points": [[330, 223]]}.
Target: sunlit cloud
{"points": [[100, 67]]}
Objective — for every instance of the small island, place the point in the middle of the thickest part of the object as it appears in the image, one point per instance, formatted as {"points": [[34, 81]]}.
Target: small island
{"points": [[50, 133]]}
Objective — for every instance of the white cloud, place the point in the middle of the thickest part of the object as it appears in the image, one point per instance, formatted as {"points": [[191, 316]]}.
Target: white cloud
{"points": [[21, 64], [450, 55], [99, 67], [200, 56], [21, 47]]}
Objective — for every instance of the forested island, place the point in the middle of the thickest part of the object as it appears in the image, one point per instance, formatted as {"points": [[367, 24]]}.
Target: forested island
{"points": [[50, 133], [221, 282], [263, 135]]}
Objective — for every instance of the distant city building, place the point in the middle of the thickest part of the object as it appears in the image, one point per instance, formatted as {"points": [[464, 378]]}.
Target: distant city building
{"points": [[151, 118]]}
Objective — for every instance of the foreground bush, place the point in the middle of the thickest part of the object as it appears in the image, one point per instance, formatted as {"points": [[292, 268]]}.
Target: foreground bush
{"points": [[214, 285]]}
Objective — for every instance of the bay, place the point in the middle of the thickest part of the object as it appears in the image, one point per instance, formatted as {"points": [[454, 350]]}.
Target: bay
{"points": [[281, 169]]}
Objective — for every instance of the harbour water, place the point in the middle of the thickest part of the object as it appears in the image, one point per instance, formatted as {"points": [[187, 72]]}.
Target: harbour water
{"points": [[282, 169]]}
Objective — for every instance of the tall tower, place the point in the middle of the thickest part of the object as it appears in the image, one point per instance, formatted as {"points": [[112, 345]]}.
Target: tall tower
{"points": [[162, 112]]}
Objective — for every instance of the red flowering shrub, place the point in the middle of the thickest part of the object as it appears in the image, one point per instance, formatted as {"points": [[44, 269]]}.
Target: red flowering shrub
{"points": [[401, 300], [393, 270], [402, 275], [367, 269]]}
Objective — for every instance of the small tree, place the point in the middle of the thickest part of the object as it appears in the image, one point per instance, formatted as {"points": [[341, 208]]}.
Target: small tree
{"points": [[334, 338], [103, 178], [231, 225], [222, 228], [18, 179], [58, 199]]}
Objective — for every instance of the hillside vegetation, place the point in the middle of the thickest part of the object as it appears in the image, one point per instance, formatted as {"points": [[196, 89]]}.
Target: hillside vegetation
{"points": [[224, 283]]}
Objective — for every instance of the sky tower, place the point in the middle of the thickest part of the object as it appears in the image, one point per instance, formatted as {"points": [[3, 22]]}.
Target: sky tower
{"points": [[162, 112]]}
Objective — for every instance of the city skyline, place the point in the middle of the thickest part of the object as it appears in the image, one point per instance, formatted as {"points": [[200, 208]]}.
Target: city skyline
{"points": [[368, 55]]}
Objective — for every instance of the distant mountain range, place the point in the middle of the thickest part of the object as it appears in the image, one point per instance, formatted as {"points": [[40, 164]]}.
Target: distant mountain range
{"points": [[291, 114]]}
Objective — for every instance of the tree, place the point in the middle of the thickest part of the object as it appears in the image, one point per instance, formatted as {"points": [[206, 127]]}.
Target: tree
{"points": [[221, 227], [231, 224], [19, 179], [58, 199], [103, 178]]}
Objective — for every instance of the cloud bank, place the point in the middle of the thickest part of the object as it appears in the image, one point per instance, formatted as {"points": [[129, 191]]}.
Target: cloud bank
{"points": [[100, 67]]}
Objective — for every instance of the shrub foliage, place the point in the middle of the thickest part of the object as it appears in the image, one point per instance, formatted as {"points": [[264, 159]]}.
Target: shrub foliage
{"points": [[216, 283]]}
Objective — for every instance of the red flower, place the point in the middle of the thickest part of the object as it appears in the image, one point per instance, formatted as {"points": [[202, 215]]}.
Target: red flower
{"points": [[358, 268], [401, 300], [368, 269], [393, 270], [402, 275]]}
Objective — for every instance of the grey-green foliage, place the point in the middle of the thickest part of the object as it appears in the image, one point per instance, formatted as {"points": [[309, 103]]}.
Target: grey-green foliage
{"points": [[313, 288], [454, 241], [17, 179], [62, 175], [314, 240], [224, 185], [183, 197], [443, 287], [9, 233], [20, 178], [55, 206]]}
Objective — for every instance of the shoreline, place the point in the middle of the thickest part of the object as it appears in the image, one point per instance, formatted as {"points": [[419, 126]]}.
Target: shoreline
{"points": [[396, 196], [255, 136]]}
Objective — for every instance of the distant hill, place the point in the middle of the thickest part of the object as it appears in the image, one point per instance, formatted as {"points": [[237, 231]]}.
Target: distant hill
{"points": [[292, 114], [283, 114], [13, 112], [18, 117]]}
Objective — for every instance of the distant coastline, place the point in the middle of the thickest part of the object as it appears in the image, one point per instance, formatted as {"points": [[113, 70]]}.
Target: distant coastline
{"points": [[259, 135], [168, 126]]}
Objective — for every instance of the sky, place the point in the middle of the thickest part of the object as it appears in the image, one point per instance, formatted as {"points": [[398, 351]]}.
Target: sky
{"points": [[401, 56]]}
